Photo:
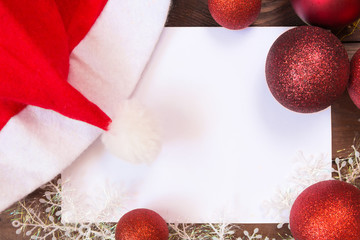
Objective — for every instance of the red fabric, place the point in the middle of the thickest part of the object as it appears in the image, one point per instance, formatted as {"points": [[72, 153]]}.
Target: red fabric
{"points": [[78, 16], [8, 109], [36, 39]]}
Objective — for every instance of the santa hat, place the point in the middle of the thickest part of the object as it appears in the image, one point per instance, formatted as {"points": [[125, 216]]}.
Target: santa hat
{"points": [[50, 110]]}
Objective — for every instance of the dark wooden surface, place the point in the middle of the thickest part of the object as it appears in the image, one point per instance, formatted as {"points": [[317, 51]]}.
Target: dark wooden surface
{"points": [[345, 116]]}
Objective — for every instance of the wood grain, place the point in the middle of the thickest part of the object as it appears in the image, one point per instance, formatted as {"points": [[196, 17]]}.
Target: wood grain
{"points": [[345, 115], [194, 13], [345, 118], [7, 231]]}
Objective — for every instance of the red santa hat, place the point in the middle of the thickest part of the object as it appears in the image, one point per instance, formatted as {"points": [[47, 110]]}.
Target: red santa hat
{"points": [[37, 38]]}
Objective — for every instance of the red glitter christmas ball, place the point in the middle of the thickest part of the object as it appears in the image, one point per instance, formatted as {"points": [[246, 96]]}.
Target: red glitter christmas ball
{"points": [[307, 69], [354, 84], [141, 224], [234, 14], [327, 13], [328, 210]]}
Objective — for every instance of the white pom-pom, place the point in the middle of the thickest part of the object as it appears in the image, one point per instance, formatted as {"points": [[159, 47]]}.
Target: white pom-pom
{"points": [[134, 134]]}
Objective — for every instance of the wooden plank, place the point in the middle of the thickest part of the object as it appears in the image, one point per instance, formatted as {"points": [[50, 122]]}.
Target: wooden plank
{"points": [[192, 13], [345, 126], [7, 231], [277, 13], [345, 117], [195, 13], [351, 48]]}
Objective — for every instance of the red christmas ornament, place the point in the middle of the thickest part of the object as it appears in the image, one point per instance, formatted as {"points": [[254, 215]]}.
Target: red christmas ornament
{"points": [[328, 210], [141, 224], [307, 69], [354, 84], [327, 13], [234, 14]]}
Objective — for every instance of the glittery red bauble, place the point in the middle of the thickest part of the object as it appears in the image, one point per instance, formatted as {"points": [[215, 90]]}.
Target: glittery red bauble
{"points": [[307, 68], [328, 210], [142, 224], [234, 14], [354, 84], [327, 13]]}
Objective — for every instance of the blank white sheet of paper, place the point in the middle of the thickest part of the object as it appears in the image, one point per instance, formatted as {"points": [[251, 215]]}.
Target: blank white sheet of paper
{"points": [[228, 145]]}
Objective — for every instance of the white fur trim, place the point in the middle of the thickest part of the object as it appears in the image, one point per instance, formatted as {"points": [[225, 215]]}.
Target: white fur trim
{"points": [[134, 134], [37, 144]]}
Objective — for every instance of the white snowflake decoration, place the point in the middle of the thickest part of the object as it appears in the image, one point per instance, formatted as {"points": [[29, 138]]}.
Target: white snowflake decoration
{"points": [[45, 223], [307, 171], [40, 226]]}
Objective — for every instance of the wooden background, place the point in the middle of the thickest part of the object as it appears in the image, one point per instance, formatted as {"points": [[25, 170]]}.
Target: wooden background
{"points": [[345, 116]]}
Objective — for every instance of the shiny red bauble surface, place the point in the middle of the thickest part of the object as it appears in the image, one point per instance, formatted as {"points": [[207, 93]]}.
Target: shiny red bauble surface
{"points": [[354, 83], [234, 14], [327, 13], [141, 224], [307, 69], [328, 210]]}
